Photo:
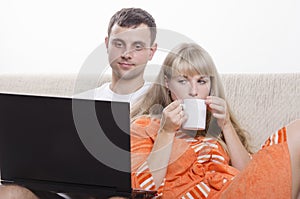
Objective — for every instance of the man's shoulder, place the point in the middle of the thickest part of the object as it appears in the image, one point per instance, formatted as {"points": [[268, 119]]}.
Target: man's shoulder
{"points": [[148, 84], [103, 88], [102, 91], [145, 87]]}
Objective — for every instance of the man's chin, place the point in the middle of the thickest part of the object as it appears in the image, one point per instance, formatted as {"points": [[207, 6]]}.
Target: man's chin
{"points": [[130, 74], [125, 75]]}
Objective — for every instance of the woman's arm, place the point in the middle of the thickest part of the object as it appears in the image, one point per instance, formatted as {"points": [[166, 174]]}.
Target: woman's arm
{"points": [[159, 157], [238, 154]]}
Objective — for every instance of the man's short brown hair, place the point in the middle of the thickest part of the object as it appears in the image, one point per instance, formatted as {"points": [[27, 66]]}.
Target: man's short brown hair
{"points": [[131, 18]]}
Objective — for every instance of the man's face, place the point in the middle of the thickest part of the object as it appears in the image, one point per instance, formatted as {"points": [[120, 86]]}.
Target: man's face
{"points": [[129, 50]]}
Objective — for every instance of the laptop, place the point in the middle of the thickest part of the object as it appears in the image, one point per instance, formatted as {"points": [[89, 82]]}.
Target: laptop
{"points": [[65, 145]]}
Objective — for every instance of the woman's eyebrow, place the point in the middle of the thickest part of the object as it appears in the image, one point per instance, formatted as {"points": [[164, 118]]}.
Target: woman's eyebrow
{"points": [[179, 75], [204, 76], [186, 76]]}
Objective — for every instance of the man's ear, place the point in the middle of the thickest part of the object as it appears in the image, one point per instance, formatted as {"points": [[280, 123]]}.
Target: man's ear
{"points": [[153, 49], [106, 42]]}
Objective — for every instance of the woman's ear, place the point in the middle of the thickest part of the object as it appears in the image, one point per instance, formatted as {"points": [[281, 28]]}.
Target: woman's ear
{"points": [[166, 82]]}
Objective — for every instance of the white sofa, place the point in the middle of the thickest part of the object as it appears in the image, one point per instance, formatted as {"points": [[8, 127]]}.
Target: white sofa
{"points": [[263, 103]]}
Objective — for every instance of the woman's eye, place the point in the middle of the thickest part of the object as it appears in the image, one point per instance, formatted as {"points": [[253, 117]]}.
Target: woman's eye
{"points": [[182, 81], [201, 81]]}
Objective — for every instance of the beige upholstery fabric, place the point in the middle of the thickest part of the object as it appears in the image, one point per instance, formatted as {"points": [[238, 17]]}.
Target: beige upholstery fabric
{"points": [[262, 102]]}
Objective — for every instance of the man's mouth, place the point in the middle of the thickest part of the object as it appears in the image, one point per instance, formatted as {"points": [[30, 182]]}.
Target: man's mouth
{"points": [[126, 64]]}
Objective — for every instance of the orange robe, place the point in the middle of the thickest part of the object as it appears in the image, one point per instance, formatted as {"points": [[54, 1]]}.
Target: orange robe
{"points": [[199, 168]]}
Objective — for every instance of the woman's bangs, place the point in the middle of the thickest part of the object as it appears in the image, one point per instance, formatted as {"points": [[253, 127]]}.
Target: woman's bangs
{"points": [[194, 65]]}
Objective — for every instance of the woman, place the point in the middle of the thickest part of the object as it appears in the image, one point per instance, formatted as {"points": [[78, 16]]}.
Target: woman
{"points": [[213, 163]]}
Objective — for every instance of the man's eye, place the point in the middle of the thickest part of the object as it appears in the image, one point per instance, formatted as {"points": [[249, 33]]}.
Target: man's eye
{"points": [[118, 44], [138, 47]]}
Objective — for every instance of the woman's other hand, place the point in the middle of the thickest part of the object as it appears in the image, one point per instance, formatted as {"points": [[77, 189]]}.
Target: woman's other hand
{"points": [[173, 116], [218, 107]]}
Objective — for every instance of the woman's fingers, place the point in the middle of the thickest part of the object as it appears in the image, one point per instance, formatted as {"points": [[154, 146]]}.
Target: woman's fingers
{"points": [[173, 116], [218, 108], [175, 105], [215, 108], [216, 104], [219, 116], [174, 109], [183, 119]]}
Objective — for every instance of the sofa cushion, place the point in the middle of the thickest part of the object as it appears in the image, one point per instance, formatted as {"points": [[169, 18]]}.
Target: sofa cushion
{"points": [[261, 102]]}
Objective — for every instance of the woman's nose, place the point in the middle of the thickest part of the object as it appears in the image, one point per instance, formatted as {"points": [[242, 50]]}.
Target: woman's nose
{"points": [[193, 90]]}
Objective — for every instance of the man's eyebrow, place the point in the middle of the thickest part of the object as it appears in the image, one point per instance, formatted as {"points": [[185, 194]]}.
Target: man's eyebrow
{"points": [[134, 43], [140, 42], [117, 39]]}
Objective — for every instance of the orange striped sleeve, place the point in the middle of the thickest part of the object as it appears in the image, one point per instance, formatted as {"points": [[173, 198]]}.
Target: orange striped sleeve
{"points": [[141, 143], [143, 180], [276, 138], [142, 140]]}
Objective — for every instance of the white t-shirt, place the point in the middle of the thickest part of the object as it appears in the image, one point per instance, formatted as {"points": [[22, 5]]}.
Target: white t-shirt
{"points": [[105, 93]]}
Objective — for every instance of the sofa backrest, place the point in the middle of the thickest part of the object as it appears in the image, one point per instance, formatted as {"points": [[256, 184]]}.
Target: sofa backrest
{"points": [[262, 103]]}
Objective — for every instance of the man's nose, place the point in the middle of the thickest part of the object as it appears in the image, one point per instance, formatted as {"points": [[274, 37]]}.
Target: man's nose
{"points": [[127, 54]]}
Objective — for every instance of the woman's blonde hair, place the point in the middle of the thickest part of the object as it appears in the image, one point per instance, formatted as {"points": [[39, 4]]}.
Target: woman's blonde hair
{"points": [[187, 59]]}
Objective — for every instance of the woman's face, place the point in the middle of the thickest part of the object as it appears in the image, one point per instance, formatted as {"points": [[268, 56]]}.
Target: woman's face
{"points": [[189, 87]]}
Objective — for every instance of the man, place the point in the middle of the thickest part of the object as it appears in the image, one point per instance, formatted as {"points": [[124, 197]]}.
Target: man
{"points": [[130, 45]]}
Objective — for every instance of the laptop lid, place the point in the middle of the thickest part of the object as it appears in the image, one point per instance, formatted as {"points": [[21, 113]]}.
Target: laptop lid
{"points": [[65, 145]]}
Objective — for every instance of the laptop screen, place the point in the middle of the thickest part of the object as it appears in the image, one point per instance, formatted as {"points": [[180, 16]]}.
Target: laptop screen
{"points": [[63, 144]]}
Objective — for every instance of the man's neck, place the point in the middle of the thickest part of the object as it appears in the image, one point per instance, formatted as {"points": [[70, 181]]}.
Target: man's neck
{"points": [[126, 86]]}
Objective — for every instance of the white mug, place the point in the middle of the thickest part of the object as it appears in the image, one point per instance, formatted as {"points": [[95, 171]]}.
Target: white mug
{"points": [[195, 109]]}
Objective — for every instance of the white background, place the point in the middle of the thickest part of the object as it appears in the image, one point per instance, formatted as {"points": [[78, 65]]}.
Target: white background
{"points": [[242, 36]]}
